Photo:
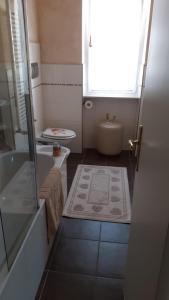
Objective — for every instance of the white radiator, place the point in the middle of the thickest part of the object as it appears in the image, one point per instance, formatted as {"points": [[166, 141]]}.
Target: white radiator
{"points": [[18, 56]]}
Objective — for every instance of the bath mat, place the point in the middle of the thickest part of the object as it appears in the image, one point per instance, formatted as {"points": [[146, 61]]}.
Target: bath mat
{"points": [[99, 193]]}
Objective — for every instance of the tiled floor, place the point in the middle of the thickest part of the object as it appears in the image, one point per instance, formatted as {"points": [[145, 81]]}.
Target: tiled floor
{"points": [[88, 257], [91, 156]]}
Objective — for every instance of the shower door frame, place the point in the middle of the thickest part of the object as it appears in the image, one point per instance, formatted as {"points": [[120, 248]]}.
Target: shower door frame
{"points": [[28, 97], [28, 107]]}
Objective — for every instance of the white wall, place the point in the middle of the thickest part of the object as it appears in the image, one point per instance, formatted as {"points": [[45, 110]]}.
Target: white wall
{"points": [[34, 51], [62, 99], [126, 111]]}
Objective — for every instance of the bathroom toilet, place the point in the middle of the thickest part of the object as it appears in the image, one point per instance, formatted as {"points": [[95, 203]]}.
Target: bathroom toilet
{"points": [[61, 135]]}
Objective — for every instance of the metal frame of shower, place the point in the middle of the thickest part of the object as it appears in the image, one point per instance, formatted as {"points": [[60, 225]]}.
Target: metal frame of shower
{"points": [[28, 97], [28, 105]]}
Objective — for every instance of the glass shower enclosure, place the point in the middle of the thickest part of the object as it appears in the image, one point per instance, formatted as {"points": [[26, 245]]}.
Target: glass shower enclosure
{"points": [[18, 196]]}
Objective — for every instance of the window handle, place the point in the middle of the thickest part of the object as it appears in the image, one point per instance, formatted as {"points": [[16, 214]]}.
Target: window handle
{"points": [[90, 42]]}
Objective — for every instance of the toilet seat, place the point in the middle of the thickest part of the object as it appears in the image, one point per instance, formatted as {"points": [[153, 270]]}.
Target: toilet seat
{"points": [[58, 133]]}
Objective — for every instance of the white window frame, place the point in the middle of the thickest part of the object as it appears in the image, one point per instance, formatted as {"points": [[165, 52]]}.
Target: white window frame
{"points": [[142, 55]]}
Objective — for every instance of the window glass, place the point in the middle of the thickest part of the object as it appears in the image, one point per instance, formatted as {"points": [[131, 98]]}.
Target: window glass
{"points": [[114, 45]]}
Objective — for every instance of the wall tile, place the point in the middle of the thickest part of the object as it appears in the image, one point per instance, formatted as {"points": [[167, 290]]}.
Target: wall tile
{"points": [[62, 102], [62, 99], [38, 110], [63, 108], [126, 111], [60, 30], [3, 72], [62, 74], [34, 52], [32, 18], [4, 90]]}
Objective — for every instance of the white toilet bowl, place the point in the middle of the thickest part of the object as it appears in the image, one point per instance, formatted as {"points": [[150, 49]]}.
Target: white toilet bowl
{"points": [[60, 135]]}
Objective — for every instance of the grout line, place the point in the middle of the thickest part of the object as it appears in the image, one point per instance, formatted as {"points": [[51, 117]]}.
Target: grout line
{"points": [[80, 239], [70, 273], [83, 158], [98, 250], [63, 84], [54, 246], [114, 242], [43, 286], [101, 222], [113, 276], [36, 86]]}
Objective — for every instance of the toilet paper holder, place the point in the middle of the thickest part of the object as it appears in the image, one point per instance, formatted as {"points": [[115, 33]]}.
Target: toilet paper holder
{"points": [[88, 104]]}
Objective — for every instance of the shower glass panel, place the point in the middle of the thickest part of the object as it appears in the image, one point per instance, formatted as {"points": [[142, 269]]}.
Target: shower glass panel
{"points": [[3, 260], [18, 199]]}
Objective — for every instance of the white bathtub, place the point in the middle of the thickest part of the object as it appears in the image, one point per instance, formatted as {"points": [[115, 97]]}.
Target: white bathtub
{"points": [[23, 279], [44, 164], [10, 163]]}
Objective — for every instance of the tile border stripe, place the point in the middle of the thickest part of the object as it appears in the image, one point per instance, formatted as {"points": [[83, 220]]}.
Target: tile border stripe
{"points": [[63, 84]]}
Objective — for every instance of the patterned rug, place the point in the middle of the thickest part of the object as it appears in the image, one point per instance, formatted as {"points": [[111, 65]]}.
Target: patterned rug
{"points": [[99, 193]]}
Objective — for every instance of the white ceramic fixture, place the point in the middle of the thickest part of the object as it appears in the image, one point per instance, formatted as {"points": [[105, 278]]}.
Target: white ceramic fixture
{"points": [[61, 135]]}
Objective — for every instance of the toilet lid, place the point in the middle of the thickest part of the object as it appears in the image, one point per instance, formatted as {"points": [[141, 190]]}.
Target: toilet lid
{"points": [[58, 133]]}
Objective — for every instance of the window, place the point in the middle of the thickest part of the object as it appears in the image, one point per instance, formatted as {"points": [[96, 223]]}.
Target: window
{"points": [[114, 35]]}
